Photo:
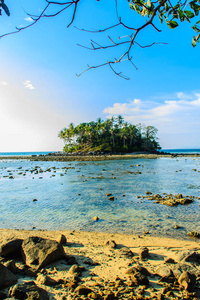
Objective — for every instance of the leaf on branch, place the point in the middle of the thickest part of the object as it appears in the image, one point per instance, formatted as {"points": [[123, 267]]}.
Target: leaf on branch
{"points": [[172, 24], [189, 14]]}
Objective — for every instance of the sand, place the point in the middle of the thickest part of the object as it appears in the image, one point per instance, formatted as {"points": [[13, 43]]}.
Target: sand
{"points": [[105, 267]]}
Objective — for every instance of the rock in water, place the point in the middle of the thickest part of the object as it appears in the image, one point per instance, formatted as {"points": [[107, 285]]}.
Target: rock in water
{"points": [[38, 252], [7, 278]]}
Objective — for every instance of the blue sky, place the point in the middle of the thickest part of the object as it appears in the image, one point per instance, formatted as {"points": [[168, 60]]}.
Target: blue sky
{"points": [[40, 93]]}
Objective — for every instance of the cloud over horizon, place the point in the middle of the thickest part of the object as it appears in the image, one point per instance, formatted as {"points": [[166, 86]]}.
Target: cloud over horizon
{"points": [[173, 118], [28, 85]]}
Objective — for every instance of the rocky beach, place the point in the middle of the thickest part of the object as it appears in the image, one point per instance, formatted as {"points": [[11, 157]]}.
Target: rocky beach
{"points": [[87, 265]]}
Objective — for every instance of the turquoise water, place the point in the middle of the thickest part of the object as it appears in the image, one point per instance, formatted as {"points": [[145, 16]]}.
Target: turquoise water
{"points": [[22, 153], [70, 194]]}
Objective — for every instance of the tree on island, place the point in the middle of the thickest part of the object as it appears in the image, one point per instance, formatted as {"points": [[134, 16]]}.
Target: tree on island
{"points": [[111, 135], [170, 12]]}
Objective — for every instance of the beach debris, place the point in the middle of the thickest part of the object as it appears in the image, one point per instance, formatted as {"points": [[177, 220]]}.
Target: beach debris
{"points": [[38, 252], [7, 278], [169, 199], [28, 290], [62, 239], [143, 252], [187, 281], [111, 244], [12, 247], [193, 234]]}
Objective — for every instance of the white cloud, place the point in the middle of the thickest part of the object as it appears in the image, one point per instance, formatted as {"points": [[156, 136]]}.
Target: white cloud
{"points": [[28, 85], [29, 19], [3, 83], [174, 118]]}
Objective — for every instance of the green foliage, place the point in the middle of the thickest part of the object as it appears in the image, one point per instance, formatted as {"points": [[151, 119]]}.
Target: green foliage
{"points": [[111, 135], [170, 12]]}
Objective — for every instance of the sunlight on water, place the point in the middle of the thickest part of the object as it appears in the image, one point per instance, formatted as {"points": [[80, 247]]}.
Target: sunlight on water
{"points": [[70, 194]]}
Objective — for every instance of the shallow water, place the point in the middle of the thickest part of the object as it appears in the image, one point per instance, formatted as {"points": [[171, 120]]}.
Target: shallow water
{"points": [[70, 194]]}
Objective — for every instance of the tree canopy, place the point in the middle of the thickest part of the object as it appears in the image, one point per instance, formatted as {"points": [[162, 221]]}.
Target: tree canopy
{"points": [[111, 135], [170, 12]]}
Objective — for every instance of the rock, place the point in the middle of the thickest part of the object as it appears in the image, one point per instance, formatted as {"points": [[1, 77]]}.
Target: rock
{"points": [[189, 256], [95, 218], [137, 269], [61, 239], [166, 274], [2, 295], [82, 290], [109, 296], [46, 280], [7, 278], [193, 234], [109, 194], [139, 279], [75, 270], [177, 227], [111, 244], [38, 252], [143, 252], [11, 266], [125, 251], [111, 198], [11, 248], [29, 291], [169, 261], [187, 280]]}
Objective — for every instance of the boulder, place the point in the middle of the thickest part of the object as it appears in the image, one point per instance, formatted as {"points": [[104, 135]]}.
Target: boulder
{"points": [[38, 252], [11, 248], [187, 280], [166, 274], [11, 266], [125, 251], [139, 279], [7, 278], [29, 291]]}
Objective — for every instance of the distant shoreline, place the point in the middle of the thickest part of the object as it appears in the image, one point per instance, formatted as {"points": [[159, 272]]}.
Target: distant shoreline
{"points": [[63, 157]]}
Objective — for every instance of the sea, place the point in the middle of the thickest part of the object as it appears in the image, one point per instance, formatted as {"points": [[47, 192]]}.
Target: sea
{"points": [[67, 195]]}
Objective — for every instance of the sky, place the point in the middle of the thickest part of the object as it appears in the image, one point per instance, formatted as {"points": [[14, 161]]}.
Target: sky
{"points": [[40, 93]]}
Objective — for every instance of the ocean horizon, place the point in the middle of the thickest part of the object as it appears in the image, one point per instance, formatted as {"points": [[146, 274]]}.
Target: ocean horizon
{"points": [[30, 153]]}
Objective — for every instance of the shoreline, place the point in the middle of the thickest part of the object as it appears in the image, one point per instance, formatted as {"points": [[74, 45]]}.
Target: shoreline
{"points": [[97, 157], [105, 262]]}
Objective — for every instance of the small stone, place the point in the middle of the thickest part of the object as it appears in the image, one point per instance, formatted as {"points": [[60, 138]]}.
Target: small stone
{"points": [[109, 194], [143, 252], [187, 280], [177, 227], [112, 198], [46, 280], [82, 290], [111, 244], [95, 218], [193, 234], [34, 200], [75, 270]]}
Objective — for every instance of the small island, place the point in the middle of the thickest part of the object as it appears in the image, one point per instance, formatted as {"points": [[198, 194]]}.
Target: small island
{"points": [[113, 135]]}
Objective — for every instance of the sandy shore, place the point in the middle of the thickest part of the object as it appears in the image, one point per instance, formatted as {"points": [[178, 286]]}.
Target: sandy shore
{"points": [[104, 265]]}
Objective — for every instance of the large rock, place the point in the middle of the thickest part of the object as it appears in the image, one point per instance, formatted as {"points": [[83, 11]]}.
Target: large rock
{"points": [[187, 280], [11, 248], [189, 256], [38, 252], [29, 291], [7, 278], [137, 269]]}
